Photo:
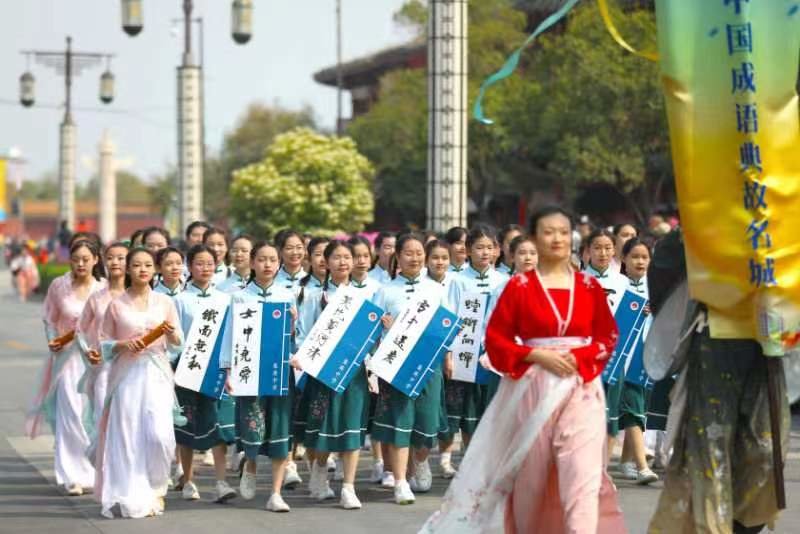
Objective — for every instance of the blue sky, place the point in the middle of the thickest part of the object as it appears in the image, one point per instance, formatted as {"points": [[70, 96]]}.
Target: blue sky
{"points": [[291, 40]]}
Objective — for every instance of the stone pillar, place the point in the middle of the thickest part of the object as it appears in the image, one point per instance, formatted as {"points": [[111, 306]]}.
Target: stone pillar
{"points": [[108, 191], [66, 174], [190, 146]]}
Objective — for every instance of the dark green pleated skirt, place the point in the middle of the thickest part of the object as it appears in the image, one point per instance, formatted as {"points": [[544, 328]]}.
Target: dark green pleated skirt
{"points": [[632, 410], [465, 403], [406, 422], [334, 422], [613, 400], [264, 426], [207, 425]]}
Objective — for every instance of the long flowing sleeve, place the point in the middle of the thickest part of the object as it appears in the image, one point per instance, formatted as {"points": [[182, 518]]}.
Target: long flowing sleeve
{"points": [[51, 311], [592, 358], [108, 333], [503, 328]]}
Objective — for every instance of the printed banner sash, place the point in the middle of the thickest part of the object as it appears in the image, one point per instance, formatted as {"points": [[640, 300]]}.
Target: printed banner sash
{"points": [[198, 367], [342, 336], [468, 347], [630, 318], [262, 337], [415, 345]]}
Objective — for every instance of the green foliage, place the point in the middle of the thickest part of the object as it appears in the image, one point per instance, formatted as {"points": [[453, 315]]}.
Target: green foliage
{"points": [[313, 182], [579, 111]]}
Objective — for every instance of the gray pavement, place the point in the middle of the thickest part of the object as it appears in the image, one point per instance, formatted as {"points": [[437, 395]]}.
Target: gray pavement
{"points": [[31, 503]]}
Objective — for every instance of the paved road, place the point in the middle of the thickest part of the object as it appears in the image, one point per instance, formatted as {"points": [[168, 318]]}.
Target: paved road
{"points": [[30, 502]]}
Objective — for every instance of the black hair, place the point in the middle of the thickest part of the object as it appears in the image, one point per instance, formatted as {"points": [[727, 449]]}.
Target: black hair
{"points": [[618, 228], [480, 231], [435, 243], [284, 235], [98, 271], [196, 224], [314, 243], [455, 234], [86, 236], [258, 245], [129, 258], [162, 254], [194, 251], [501, 238], [360, 240], [629, 245], [429, 235], [517, 241], [330, 248], [155, 230], [597, 233], [547, 211], [136, 235], [402, 239], [246, 237], [213, 230], [381, 237]]}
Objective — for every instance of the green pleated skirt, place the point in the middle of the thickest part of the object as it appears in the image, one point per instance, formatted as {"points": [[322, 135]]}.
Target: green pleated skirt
{"points": [[210, 422], [406, 422]]}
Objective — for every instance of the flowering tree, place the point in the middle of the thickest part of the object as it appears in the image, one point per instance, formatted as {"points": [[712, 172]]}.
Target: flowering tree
{"points": [[308, 181]]}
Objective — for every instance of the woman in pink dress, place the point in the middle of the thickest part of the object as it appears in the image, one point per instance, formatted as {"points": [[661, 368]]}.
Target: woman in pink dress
{"points": [[136, 442], [95, 378], [58, 400], [536, 461]]}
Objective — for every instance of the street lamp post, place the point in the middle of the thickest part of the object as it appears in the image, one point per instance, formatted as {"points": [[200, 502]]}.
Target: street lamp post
{"points": [[190, 100], [69, 64]]}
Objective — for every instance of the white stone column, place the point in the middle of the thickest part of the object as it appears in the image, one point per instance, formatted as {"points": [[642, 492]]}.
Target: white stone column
{"points": [[108, 191], [447, 114], [66, 174], [190, 146]]}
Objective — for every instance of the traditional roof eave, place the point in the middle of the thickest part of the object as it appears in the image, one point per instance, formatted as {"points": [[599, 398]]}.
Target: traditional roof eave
{"points": [[368, 69]]}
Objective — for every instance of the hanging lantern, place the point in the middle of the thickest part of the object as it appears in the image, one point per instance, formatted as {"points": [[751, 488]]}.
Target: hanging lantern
{"points": [[242, 20], [106, 87], [132, 22], [27, 86]]}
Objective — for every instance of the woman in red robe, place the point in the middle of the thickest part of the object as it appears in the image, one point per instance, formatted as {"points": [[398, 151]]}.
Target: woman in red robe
{"points": [[537, 460]]}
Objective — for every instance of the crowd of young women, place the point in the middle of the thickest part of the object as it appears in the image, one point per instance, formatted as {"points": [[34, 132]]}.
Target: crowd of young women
{"points": [[116, 324]]}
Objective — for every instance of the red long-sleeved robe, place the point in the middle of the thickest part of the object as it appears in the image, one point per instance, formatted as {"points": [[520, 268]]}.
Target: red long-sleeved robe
{"points": [[524, 311]]}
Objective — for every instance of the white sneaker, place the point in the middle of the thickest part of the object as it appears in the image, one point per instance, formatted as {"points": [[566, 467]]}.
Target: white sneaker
{"points": [[377, 473], [74, 490], [628, 471], [235, 460], [422, 479], [338, 474], [331, 464], [224, 492], [189, 492], [388, 479], [208, 458], [645, 477], [324, 491], [448, 471], [348, 499], [277, 504], [291, 479], [247, 486], [403, 493], [313, 481]]}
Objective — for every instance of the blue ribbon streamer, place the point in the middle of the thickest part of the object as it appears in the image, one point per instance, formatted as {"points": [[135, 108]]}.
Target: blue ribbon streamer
{"points": [[511, 63]]}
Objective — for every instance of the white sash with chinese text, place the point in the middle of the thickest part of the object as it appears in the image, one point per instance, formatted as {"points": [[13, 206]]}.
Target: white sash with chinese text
{"points": [[198, 367], [414, 346], [262, 337], [468, 345]]}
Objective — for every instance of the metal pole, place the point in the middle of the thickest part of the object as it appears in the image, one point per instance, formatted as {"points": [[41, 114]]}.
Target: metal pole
{"points": [[339, 81], [66, 174], [187, 32]]}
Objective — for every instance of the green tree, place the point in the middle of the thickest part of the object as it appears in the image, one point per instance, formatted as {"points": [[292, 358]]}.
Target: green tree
{"points": [[313, 182]]}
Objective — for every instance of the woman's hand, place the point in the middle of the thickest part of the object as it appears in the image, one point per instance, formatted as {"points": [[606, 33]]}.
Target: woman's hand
{"points": [[55, 346], [134, 345], [94, 357], [449, 365], [560, 363], [172, 333], [294, 361], [387, 321], [484, 361], [228, 387], [647, 310]]}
